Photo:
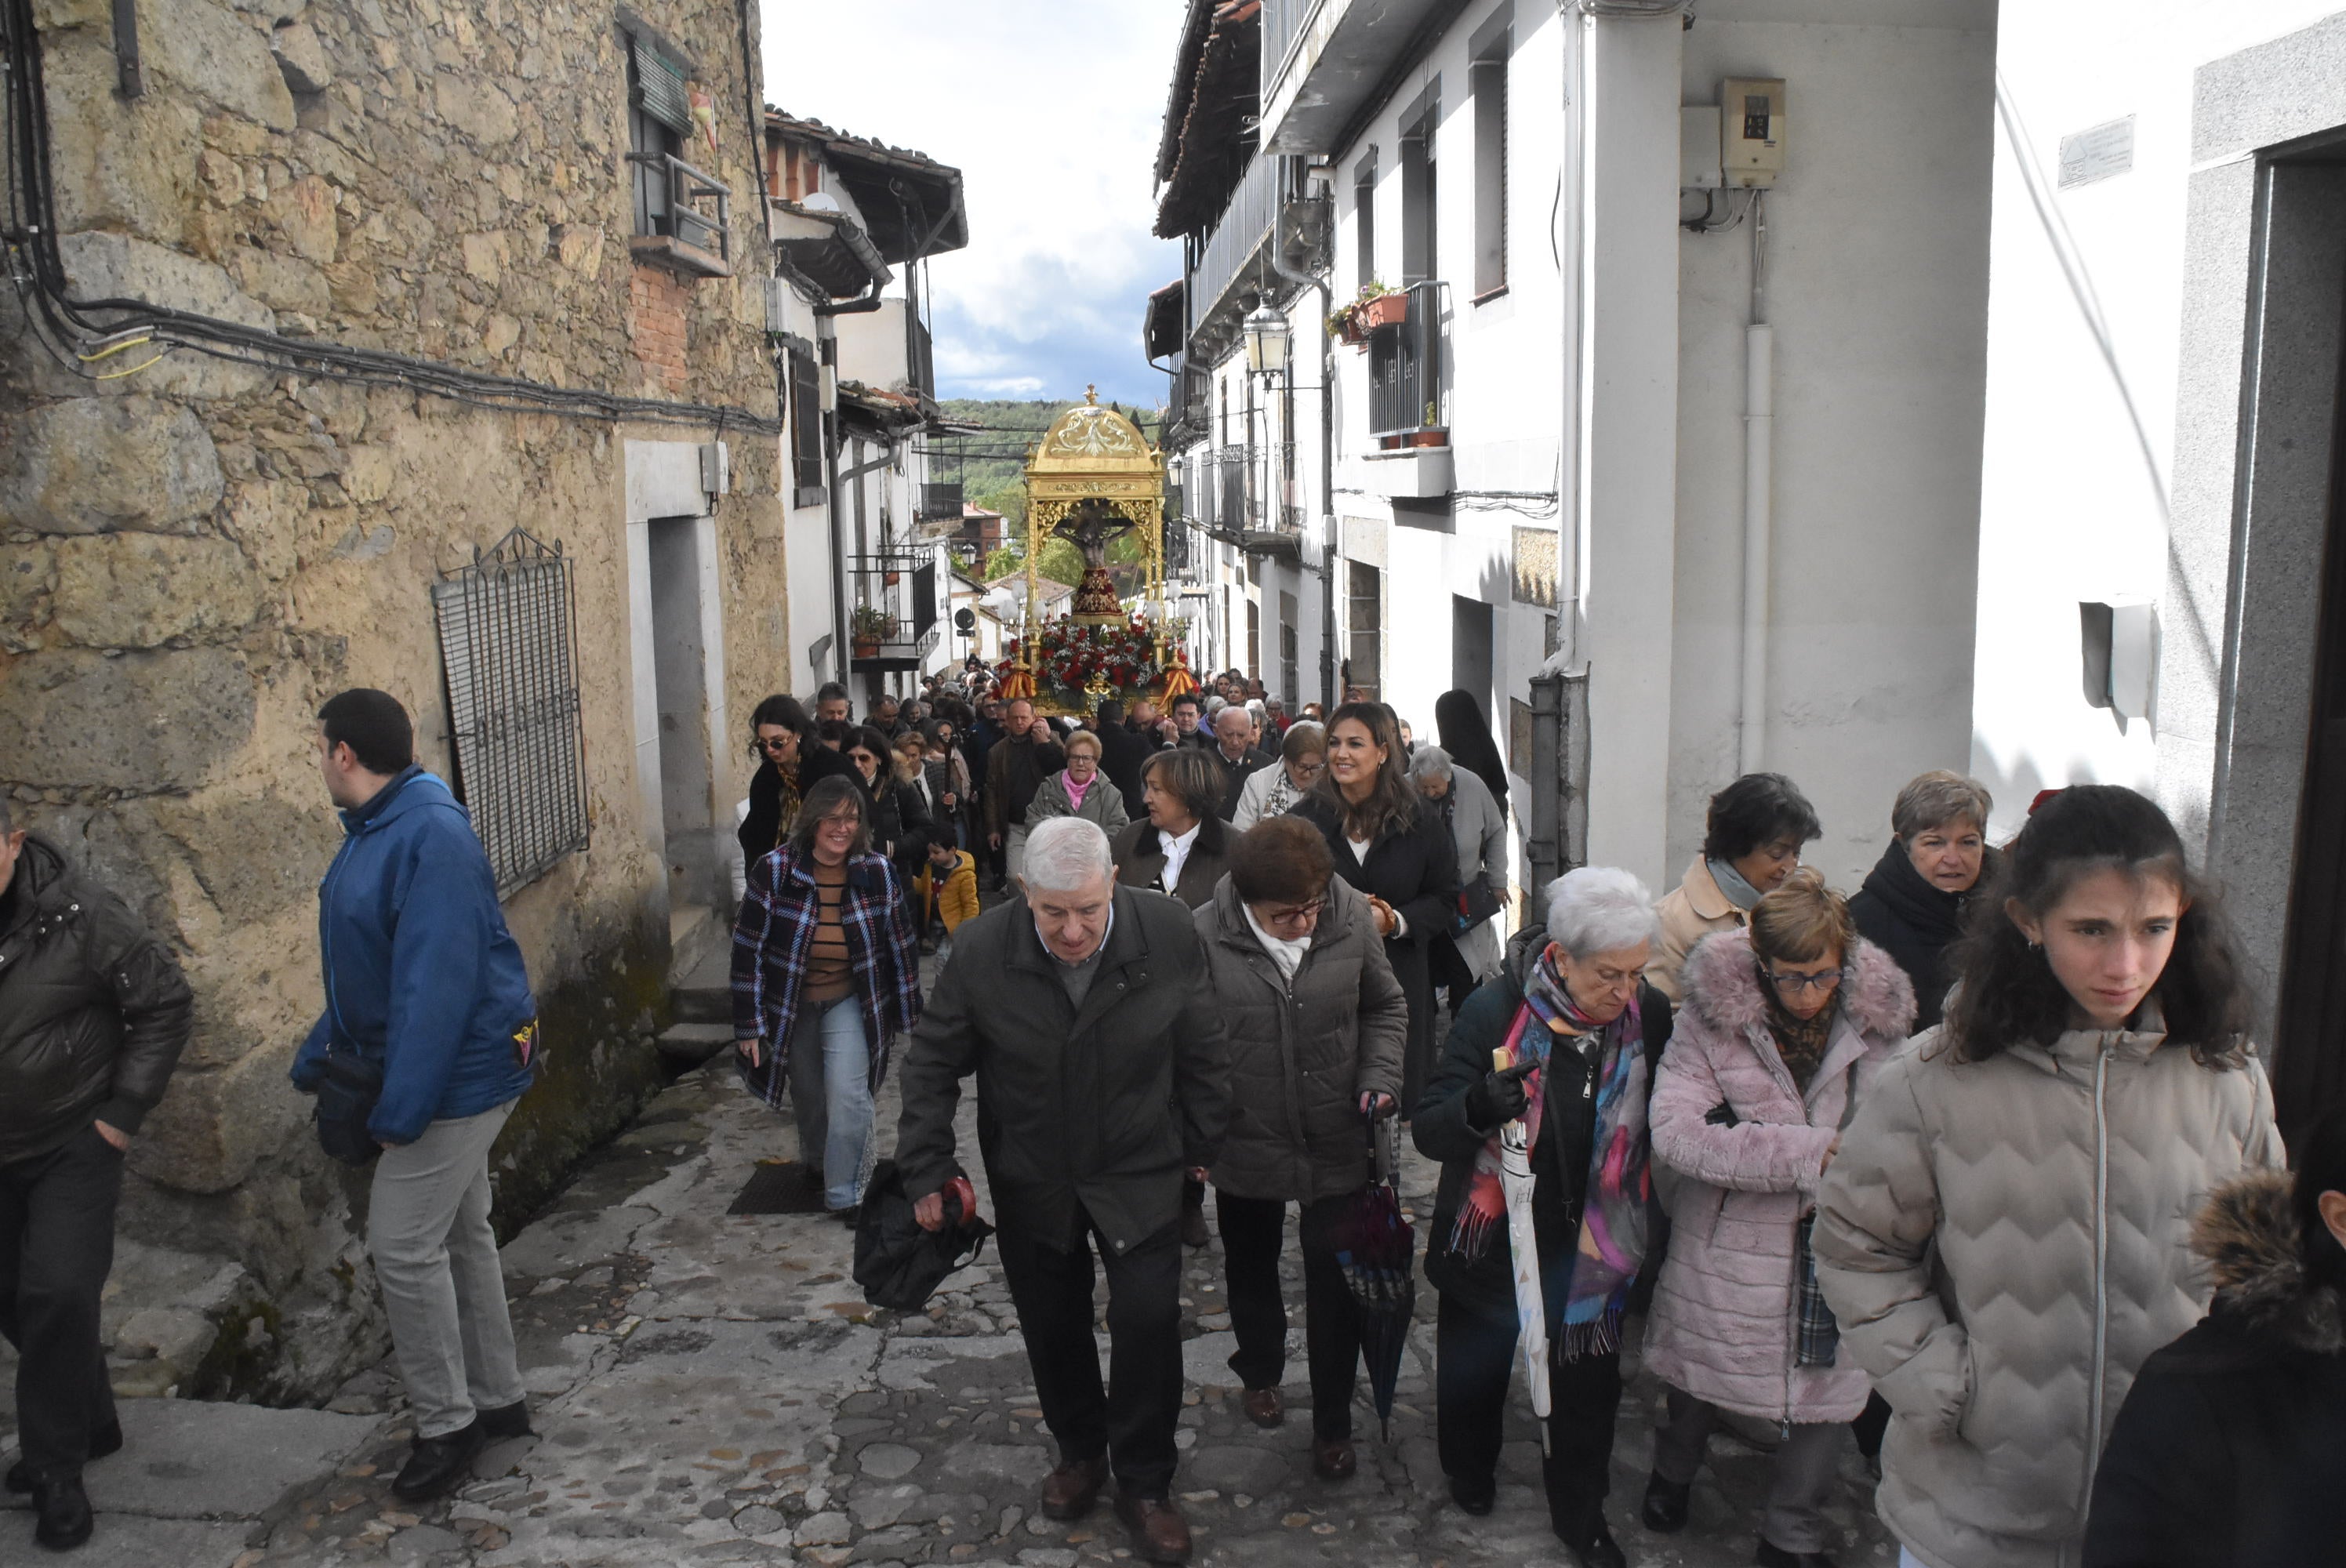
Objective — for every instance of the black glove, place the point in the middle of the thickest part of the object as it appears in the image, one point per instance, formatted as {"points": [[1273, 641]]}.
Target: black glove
{"points": [[1499, 1097]]}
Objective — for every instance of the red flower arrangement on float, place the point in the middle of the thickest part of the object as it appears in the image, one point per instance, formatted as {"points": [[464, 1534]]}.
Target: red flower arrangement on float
{"points": [[1066, 657]]}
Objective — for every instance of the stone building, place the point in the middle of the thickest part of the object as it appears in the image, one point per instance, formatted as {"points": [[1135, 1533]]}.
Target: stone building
{"points": [[420, 344]]}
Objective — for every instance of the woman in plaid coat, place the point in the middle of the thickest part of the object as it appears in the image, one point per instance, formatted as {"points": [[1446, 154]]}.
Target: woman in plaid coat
{"points": [[825, 977], [1783, 1027]]}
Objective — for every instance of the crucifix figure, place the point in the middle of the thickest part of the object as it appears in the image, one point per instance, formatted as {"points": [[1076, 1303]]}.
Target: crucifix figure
{"points": [[1089, 525]]}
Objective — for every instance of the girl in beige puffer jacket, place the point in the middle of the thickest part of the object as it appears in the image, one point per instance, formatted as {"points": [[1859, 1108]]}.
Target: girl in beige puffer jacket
{"points": [[2004, 1236]]}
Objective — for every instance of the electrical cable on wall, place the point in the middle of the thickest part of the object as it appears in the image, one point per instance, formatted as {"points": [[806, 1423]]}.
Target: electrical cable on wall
{"points": [[53, 317]]}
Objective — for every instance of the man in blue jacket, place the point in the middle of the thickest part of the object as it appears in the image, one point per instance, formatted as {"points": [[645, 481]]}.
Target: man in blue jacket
{"points": [[423, 977]]}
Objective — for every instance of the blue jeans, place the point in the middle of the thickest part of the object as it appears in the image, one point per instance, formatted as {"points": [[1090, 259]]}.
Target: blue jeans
{"points": [[831, 1094]]}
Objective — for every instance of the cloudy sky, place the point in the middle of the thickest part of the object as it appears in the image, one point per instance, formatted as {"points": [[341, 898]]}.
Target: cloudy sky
{"points": [[1051, 112]]}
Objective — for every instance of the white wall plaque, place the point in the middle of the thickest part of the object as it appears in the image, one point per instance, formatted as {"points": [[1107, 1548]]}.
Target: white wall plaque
{"points": [[2098, 152]]}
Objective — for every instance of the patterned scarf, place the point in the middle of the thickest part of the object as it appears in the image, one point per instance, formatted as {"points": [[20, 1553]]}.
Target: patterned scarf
{"points": [[1611, 1247]]}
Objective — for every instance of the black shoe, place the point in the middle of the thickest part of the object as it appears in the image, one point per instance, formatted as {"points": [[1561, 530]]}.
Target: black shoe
{"points": [[850, 1217], [438, 1463], [62, 1510], [507, 1421], [1666, 1504], [1475, 1497], [1776, 1557], [1600, 1549], [106, 1440]]}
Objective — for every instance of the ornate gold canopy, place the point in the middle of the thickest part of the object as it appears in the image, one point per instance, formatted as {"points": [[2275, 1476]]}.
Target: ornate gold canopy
{"points": [[1095, 454]]}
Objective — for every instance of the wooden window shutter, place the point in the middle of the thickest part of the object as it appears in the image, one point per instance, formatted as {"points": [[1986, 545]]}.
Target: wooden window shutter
{"points": [[659, 86]]}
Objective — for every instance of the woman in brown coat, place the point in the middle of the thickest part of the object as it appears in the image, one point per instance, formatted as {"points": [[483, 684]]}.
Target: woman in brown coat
{"points": [[1316, 1023], [1179, 847]]}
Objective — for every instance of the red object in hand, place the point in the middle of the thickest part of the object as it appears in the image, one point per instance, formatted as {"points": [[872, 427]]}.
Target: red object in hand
{"points": [[962, 1193]]}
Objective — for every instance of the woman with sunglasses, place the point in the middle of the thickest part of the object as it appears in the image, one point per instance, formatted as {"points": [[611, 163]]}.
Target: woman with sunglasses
{"points": [[1781, 1030], [1316, 1023], [789, 763]]}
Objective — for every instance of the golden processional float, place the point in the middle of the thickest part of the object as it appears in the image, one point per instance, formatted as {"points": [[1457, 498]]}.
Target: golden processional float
{"points": [[1091, 480]]}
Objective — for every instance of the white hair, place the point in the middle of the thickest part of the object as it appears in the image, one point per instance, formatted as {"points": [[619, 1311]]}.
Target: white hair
{"points": [[1428, 762], [1599, 908], [1066, 853]]}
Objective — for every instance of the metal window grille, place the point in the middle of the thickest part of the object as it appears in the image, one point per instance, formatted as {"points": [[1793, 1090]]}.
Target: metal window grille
{"points": [[508, 640]]}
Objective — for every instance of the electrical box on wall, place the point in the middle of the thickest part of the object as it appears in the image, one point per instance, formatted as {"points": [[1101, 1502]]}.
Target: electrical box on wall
{"points": [[2121, 652], [1699, 143], [1750, 131]]}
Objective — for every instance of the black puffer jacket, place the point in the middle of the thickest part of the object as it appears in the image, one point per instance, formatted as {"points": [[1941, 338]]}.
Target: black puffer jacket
{"points": [[1914, 922], [1302, 1051], [2230, 1449], [94, 1011]]}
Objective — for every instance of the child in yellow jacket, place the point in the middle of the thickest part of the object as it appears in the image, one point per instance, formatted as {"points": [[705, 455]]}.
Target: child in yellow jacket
{"points": [[946, 888]]}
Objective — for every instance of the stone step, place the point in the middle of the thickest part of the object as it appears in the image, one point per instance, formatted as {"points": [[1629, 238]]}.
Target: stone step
{"points": [[693, 1044], [703, 1004]]}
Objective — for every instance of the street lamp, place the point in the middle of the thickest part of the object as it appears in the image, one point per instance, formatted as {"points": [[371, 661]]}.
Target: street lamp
{"points": [[1266, 340]]}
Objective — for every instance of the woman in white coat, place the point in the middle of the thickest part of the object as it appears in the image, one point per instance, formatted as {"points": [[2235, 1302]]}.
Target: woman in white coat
{"points": [[1271, 791]]}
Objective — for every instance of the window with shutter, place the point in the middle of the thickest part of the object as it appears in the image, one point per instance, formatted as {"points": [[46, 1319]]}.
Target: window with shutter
{"points": [[507, 650], [659, 86], [806, 429]]}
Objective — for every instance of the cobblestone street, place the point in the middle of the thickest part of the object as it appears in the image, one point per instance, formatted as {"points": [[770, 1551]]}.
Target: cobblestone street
{"points": [[713, 1388]]}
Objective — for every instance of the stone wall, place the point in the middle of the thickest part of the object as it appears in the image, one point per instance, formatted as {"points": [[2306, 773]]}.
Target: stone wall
{"points": [[194, 553]]}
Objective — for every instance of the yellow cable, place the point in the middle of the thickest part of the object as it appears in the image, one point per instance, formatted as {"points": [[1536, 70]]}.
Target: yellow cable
{"points": [[117, 375]]}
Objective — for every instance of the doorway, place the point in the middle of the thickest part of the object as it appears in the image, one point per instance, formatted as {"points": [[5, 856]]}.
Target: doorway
{"points": [[1364, 668], [1470, 649], [682, 582]]}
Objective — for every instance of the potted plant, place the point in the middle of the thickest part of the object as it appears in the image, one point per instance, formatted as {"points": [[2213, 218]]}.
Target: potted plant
{"points": [[869, 625], [1379, 307]]}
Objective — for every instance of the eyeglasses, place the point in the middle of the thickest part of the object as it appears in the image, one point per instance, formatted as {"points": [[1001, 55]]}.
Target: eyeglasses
{"points": [[775, 747], [1797, 984], [1298, 914]]}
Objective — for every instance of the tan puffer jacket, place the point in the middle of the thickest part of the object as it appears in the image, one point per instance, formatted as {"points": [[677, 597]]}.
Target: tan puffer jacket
{"points": [[2003, 1243]]}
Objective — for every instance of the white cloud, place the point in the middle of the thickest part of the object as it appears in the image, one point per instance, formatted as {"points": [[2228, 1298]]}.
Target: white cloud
{"points": [[1052, 114]]}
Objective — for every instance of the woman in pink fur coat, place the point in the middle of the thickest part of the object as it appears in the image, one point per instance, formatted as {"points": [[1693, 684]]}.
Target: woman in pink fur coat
{"points": [[1783, 1026]]}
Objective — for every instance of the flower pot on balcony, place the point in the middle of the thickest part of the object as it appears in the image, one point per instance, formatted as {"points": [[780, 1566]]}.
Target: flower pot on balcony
{"points": [[864, 647], [1385, 311], [1426, 438]]}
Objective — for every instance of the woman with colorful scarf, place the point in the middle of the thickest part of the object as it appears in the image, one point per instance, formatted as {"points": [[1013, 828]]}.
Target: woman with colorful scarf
{"points": [[1781, 1031], [1548, 1071]]}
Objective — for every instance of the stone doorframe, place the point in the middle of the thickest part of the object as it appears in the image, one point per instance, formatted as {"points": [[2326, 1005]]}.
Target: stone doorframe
{"points": [[2256, 392]]}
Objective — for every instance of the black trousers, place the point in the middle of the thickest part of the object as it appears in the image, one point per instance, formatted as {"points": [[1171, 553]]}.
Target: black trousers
{"points": [[1254, 1231], [57, 1246], [1452, 972], [1474, 1369], [1132, 1419]]}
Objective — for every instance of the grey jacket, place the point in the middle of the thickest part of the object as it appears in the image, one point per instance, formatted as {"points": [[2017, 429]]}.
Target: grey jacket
{"points": [[1103, 803], [2003, 1242], [1302, 1051]]}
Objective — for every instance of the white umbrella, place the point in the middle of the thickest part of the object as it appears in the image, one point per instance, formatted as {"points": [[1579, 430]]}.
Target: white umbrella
{"points": [[1531, 1309]]}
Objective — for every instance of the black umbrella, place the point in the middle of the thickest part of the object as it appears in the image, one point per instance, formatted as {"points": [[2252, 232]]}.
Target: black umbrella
{"points": [[1378, 1251]]}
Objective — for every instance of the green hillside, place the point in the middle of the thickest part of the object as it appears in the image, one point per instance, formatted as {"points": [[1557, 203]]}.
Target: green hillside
{"points": [[989, 464]]}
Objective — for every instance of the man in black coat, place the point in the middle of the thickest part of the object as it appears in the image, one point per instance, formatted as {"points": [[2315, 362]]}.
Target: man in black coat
{"points": [[94, 1012], [1122, 751], [1103, 1077], [1234, 752]]}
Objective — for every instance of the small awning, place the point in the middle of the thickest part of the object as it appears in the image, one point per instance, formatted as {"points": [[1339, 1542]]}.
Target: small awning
{"points": [[828, 249], [1165, 325]]}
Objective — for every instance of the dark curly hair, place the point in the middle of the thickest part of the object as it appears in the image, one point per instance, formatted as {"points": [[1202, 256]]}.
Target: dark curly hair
{"points": [[2007, 991]]}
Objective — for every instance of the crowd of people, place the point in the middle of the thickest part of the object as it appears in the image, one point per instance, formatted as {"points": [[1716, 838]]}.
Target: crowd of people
{"points": [[1978, 1166], [1918, 1165]]}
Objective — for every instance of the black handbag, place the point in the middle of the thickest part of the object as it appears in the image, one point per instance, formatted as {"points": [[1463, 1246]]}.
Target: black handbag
{"points": [[899, 1265], [1478, 901], [348, 1089]]}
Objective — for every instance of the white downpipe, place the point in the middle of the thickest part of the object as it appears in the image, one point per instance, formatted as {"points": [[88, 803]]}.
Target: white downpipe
{"points": [[1759, 523], [1572, 247]]}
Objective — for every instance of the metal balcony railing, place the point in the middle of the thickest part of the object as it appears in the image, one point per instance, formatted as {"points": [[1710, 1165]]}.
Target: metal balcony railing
{"points": [[920, 356], [1243, 494], [899, 592], [1405, 368], [682, 215], [1246, 223], [1281, 21], [940, 500]]}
